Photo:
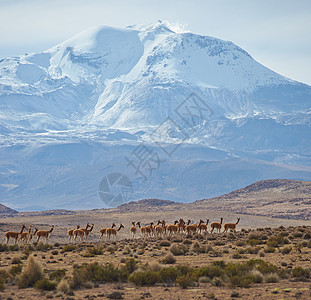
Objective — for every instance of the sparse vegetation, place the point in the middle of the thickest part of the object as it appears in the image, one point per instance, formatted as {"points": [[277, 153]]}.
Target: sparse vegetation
{"points": [[31, 274]]}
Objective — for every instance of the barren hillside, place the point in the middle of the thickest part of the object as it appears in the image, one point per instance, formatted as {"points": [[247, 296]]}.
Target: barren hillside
{"points": [[280, 198]]}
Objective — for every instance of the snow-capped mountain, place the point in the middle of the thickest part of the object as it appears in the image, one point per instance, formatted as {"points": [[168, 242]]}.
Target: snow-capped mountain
{"points": [[215, 118]]}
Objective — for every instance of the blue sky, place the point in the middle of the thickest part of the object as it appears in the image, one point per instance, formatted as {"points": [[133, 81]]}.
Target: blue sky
{"points": [[275, 32]]}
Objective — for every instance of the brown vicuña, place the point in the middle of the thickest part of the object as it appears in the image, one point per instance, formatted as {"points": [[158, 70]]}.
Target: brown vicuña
{"points": [[70, 233], [44, 234], [13, 234], [104, 230], [231, 226], [216, 226], [88, 231], [80, 232], [113, 231], [133, 230]]}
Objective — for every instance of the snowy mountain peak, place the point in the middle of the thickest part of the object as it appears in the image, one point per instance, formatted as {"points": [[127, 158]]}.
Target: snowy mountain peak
{"points": [[217, 119], [135, 77]]}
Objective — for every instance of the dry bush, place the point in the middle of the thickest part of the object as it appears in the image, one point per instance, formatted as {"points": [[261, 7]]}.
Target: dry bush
{"points": [[272, 278], [155, 266], [165, 243], [31, 274], [169, 259], [178, 249], [63, 286]]}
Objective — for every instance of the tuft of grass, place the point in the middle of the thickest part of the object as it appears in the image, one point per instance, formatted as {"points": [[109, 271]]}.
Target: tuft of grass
{"points": [[15, 270], [57, 275], [4, 248], [63, 286], [271, 278], [31, 274], [165, 243], [178, 249], [45, 285], [286, 250], [3, 278], [168, 259], [69, 248], [197, 248], [184, 281], [54, 252], [301, 274], [16, 261], [42, 247]]}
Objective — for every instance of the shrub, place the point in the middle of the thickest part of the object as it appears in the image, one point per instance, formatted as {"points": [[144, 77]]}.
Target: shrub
{"points": [[271, 278], [155, 266], [269, 249], [145, 278], [196, 247], [54, 252], [165, 243], [169, 274], [4, 248], [236, 256], [63, 286], [286, 250], [253, 242], [15, 270], [204, 279], [210, 271], [16, 261], [301, 273], [111, 249], [31, 274], [169, 259], [3, 278], [276, 241], [242, 280], [57, 274], [69, 248], [95, 272], [184, 281], [187, 242], [14, 247], [257, 276], [45, 285], [253, 250], [130, 265], [178, 249], [42, 247], [217, 281], [298, 234], [307, 236]]}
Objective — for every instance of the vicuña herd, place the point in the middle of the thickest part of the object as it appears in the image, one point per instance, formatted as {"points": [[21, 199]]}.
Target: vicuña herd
{"points": [[152, 230]]}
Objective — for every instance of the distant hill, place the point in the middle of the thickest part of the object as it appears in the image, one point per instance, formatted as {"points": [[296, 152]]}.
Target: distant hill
{"points": [[4, 210], [55, 212], [146, 205], [280, 198]]}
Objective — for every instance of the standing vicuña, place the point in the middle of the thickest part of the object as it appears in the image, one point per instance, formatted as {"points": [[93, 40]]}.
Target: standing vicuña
{"points": [[231, 226], [44, 233], [112, 231], [13, 234], [133, 230], [216, 226]]}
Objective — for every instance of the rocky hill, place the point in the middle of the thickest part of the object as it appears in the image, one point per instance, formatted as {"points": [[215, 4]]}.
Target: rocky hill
{"points": [[280, 198], [4, 210]]}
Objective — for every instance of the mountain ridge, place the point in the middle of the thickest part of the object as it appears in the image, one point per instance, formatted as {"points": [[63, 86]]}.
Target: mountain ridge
{"points": [[71, 115]]}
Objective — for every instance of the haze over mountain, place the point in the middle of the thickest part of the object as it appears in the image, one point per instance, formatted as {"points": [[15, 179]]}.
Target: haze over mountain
{"points": [[182, 116]]}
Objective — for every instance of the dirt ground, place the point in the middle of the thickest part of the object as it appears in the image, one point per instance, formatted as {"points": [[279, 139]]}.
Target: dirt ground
{"points": [[247, 243]]}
